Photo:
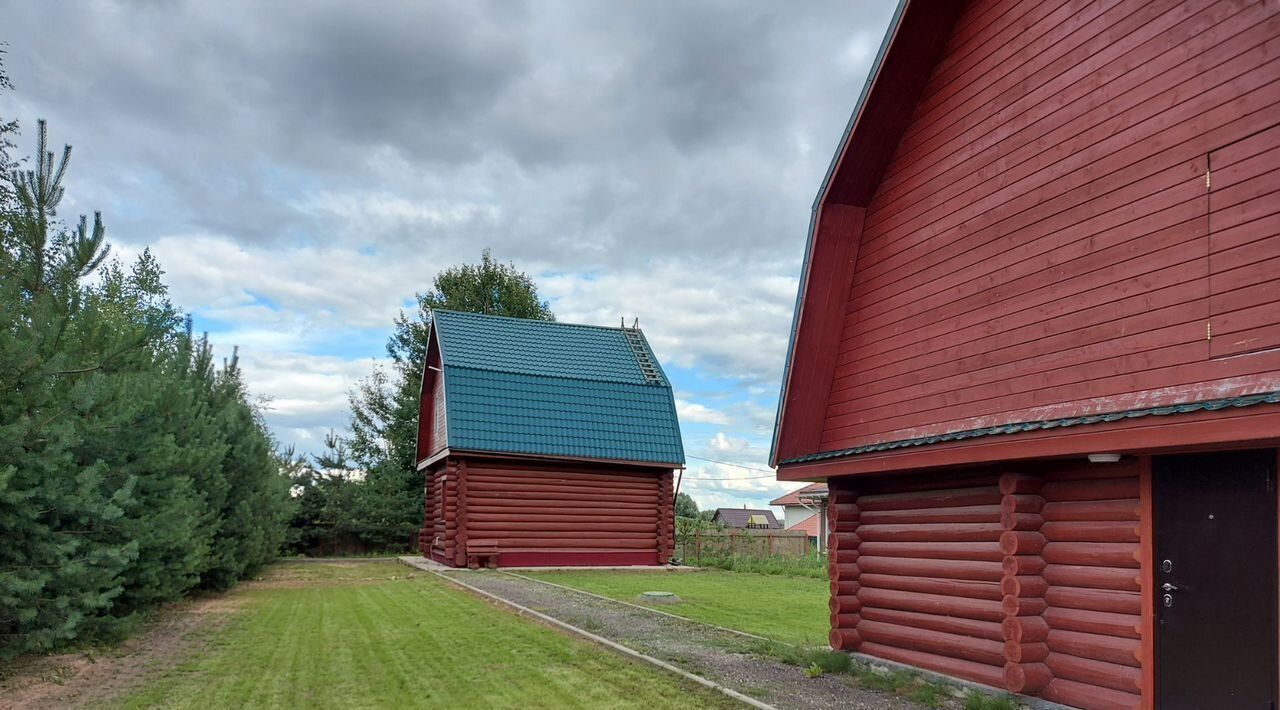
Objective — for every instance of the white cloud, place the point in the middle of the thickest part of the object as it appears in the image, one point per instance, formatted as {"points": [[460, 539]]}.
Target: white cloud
{"points": [[690, 412], [396, 209], [306, 395], [722, 444], [730, 318], [638, 160], [330, 286]]}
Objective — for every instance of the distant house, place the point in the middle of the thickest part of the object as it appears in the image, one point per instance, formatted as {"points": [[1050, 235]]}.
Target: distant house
{"points": [[746, 519], [806, 509], [545, 443]]}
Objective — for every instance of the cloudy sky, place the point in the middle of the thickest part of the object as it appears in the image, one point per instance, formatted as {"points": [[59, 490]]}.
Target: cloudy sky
{"points": [[301, 169]]}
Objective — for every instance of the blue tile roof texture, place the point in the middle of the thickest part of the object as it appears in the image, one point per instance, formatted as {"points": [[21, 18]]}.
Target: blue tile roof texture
{"points": [[543, 388]]}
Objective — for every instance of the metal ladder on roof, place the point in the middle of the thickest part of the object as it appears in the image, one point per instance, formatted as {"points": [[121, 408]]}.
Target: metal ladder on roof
{"points": [[648, 368]]}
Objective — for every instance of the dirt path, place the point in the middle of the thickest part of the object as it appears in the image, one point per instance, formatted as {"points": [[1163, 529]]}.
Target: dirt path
{"points": [[91, 679], [715, 654]]}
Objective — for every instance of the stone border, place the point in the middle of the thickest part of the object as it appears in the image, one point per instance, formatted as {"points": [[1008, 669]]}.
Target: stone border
{"points": [[435, 569]]}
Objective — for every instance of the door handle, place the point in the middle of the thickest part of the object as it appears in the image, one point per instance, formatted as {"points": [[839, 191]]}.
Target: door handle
{"points": [[1168, 587]]}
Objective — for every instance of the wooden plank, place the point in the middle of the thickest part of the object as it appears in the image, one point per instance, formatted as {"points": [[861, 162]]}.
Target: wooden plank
{"points": [[1146, 578], [1133, 326], [1041, 36], [1244, 280], [982, 233], [1090, 328], [1005, 112], [1169, 202], [1155, 57], [896, 87], [1168, 120], [1079, 131], [1109, 392]]}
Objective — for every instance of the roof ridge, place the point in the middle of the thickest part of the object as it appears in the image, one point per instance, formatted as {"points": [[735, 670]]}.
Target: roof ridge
{"points": [[622, 329]]}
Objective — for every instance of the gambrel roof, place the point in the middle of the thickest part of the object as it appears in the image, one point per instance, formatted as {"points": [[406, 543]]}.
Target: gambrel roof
{"points": [[911, 46], [542, 388]]}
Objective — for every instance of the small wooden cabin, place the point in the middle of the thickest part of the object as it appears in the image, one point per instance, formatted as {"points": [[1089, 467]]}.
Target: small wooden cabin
{"points": [[545, 443], [1036, 351]]}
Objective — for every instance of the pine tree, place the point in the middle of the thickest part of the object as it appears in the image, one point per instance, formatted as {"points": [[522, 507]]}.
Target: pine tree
{"points": [[8, 129], [131, 468], [61, 562], [247, 494], [136, 436]]}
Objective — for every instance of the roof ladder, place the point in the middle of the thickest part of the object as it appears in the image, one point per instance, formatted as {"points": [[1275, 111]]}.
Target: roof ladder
{"points": [[648, 367]]}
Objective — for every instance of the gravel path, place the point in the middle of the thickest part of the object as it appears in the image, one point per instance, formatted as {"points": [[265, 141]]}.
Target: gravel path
{"points": [[711, 653]]}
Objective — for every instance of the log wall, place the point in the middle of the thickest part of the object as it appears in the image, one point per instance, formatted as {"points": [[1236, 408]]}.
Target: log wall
{"points": [[1094, 595], [436, 538], [1027, 580], [540, 513]]}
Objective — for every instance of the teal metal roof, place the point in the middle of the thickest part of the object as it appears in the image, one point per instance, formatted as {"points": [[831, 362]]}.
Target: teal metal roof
{"points": [[544, 388]]}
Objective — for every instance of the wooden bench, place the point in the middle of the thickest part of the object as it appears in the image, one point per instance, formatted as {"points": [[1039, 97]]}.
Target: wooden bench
{"points": [[485, 551]]}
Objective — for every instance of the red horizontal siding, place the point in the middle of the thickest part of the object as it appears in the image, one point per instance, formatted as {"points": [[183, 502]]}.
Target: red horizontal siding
{"points": [[1244, 245], [1043, 242]]}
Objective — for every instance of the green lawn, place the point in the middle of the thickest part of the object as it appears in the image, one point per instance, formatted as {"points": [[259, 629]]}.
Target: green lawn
{"points": [[363, 635], [789, 609]]}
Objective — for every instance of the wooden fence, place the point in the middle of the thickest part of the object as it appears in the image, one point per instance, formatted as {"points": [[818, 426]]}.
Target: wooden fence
{"points": [[754, 543]]}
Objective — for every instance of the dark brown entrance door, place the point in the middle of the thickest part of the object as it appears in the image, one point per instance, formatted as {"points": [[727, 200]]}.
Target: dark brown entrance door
{"points": [[1215, 557]]}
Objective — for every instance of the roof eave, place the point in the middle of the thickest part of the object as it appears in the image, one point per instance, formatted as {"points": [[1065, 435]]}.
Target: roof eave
{"points": [[815, 211], [667, 465]]}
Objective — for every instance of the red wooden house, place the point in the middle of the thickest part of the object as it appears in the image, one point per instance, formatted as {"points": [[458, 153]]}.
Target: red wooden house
{"points": [[545, 443], [1036, 352]]}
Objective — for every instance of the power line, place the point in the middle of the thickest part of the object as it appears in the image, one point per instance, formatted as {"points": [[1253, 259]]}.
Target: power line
{"points": [[735, 465], [770, 474]]}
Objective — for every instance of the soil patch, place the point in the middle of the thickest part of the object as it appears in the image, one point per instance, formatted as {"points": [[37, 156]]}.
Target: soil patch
{"points": [[92, 678]]}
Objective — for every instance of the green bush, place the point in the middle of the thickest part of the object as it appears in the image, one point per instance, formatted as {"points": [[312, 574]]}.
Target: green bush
{"points": [[810, 565]]}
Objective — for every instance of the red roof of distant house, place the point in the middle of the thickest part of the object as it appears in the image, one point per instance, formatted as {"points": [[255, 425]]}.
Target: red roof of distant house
{"points": [[794, 497], [809, 525]]}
